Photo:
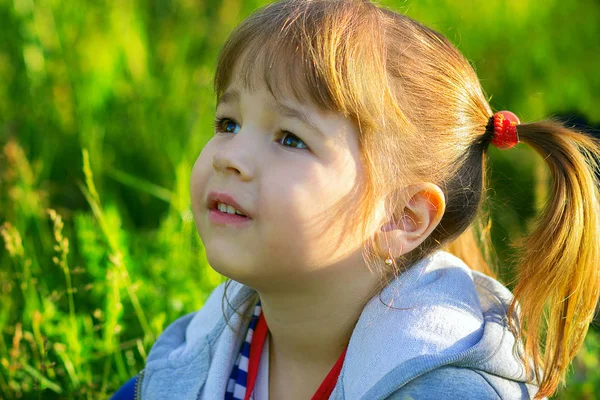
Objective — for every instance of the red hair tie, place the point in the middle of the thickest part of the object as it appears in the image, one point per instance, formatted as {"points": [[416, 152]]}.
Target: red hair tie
{"points": [[505, 130]]}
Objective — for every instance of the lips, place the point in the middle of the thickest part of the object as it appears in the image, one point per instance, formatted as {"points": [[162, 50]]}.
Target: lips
{"points": [[220, 197]]}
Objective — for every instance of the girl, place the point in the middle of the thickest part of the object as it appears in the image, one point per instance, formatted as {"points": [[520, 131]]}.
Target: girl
{"points": [[340, 194]]}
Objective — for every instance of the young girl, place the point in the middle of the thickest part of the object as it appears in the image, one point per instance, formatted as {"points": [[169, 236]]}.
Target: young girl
{"points": [[340, 194]]}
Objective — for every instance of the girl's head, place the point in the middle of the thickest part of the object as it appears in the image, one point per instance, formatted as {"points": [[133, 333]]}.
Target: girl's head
{"points": [[350, 133], [382, 92]]}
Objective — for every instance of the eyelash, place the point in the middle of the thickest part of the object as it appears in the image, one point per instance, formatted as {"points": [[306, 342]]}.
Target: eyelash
{"points": [[219, 128]]}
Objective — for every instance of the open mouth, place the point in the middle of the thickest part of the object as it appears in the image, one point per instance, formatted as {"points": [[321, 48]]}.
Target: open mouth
{"points": [[226, 215], [231, 214], [223, 208]]}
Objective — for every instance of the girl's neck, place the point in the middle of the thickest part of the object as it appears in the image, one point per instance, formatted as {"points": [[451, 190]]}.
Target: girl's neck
{"points": [[292, 380], [312, 325]]}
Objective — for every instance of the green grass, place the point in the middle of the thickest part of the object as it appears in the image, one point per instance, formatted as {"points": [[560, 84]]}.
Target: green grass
{"points": [[74, 321], [104, 107]]}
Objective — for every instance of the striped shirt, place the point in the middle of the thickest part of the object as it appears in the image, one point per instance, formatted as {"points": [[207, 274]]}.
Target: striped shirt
{"points": [[236, 388]]}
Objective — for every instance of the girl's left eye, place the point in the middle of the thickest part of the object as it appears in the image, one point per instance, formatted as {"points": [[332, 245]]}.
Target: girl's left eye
{"points": [[225, 125], [293, 140]]}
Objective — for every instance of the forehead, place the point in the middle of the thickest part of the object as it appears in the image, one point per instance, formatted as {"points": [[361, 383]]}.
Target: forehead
{"points": [[250, 75], [279, 96], [285, 96], [287, 75]]}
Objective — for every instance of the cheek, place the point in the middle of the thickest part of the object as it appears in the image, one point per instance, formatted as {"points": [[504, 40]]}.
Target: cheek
{"points": [[198, 180], [301, 211], [293, 196]]}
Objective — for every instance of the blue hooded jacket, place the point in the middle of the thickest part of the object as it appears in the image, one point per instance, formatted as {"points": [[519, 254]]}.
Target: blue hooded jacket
{"points": [[445, 336]]}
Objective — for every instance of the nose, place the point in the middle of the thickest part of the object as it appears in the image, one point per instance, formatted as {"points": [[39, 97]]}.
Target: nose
{"points": [[231, 159]]}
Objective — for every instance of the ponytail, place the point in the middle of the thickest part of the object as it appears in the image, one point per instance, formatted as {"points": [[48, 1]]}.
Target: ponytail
{"points": [[558, 272]]}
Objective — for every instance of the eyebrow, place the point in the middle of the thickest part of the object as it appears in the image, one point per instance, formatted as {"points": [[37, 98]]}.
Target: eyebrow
{"points": [[233, 96]]}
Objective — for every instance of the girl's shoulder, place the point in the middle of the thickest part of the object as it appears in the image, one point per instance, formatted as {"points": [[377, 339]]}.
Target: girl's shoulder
{"points": [[439, 314]]}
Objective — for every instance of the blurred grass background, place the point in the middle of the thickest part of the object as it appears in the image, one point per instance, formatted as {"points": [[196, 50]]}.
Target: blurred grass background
{"points": [[104, 107]]}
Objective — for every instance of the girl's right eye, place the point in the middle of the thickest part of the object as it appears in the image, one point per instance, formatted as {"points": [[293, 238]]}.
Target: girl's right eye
{"points": [[225, 124]]}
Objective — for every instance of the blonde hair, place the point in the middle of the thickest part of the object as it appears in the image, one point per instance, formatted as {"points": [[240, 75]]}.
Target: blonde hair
{"points": [[407, 88]]}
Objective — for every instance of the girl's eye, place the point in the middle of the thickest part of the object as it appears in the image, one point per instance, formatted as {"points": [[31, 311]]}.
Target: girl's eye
{"points": [[293, 140], [226, 125]]}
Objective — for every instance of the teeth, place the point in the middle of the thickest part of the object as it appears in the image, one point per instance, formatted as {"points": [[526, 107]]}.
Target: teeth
{"points": [[228, 209]]}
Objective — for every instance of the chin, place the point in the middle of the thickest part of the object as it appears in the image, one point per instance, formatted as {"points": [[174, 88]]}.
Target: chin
{"points": [[227, 264]]}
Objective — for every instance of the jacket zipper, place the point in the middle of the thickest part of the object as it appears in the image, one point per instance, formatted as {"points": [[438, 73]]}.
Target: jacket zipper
{"points": [[137, 394]]}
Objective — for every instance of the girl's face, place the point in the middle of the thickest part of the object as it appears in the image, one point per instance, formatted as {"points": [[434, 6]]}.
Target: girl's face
{"points": [[286, 164]]}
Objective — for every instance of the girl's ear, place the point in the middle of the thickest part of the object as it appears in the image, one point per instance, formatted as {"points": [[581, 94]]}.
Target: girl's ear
{"points": [[414, 223]]}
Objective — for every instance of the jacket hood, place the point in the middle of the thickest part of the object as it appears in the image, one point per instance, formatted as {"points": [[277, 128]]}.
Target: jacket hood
{"points": [[443, 313], [437, 313]]}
